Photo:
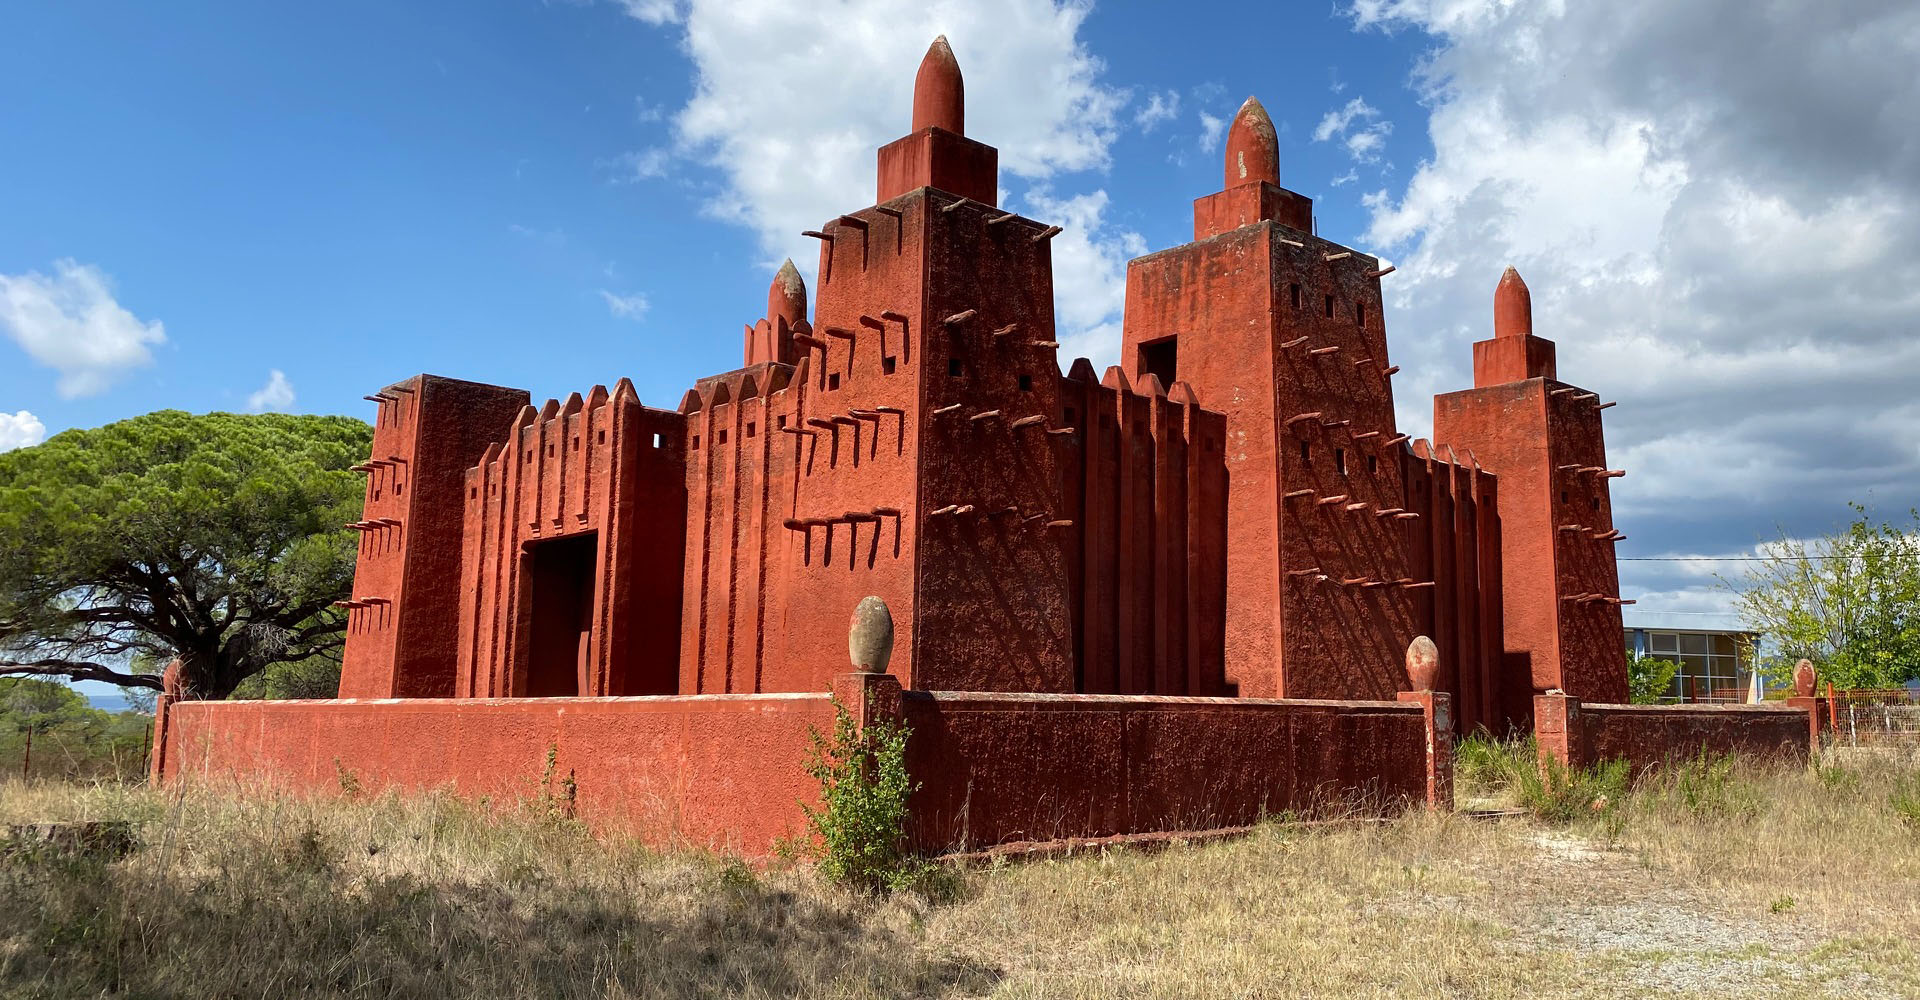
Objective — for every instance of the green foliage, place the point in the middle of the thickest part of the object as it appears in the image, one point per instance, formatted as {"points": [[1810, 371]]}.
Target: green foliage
{"points": [[1484, 764], [1559, 794], [215, 538], [1905, 799], [1849, 601], [313, 677], [1709, 786], [1649, 678], [862, 819], [71, 739]]}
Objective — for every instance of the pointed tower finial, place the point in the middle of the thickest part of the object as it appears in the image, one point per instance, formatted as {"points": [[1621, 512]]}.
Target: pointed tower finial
{"points": [[1512, 306], [1253, 150], [787, 296], [939, 97]]}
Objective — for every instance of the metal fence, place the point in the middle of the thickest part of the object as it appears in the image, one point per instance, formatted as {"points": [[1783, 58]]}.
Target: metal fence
{"points": [[1889, 718]]}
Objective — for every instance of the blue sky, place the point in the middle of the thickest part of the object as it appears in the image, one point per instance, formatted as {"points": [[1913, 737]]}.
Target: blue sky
{"points": [[1717, 204]]}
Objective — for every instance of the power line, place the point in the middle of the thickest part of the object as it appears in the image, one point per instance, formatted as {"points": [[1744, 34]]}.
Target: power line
{"points": [[1725, 558]]}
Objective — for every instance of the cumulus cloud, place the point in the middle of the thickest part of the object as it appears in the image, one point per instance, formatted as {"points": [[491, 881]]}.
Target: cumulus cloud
{"points": [[1717, 206], [1089, 272], [1211, 128], [1359, 128], [70, 322], [274, 397], [20, 430], [651, 11], [1160, 107], [631, 306], [788, 136]]}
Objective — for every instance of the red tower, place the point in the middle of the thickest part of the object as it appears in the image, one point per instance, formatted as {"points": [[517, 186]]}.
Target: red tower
{"points": [[403, 618], [1543, 439], [1282, 330]]}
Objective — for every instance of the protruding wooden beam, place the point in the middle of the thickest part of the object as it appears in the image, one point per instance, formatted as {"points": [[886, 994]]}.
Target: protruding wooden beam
{"points": [[1291, 344], [985, 415], [957, 205], [1383, 272], [818, 235], [1044, 343], [1396, 439], [1007, 217], [960, 317], [1060, 524], [1296, 418], [1046, 234], [949, 408], [1339, 498], [1297, 493], [1336, 256], [1334, 349], [1003, 331], [1390, 371], [1028, 421]]}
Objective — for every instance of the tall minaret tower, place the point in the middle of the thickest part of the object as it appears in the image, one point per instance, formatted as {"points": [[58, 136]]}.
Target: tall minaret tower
{"points": [[1542, 437], [771, 339], [1282, 331]]}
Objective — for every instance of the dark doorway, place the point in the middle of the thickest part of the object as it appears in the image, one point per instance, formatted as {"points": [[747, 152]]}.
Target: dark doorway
{"points": [[1161, 358], [560, 581]]}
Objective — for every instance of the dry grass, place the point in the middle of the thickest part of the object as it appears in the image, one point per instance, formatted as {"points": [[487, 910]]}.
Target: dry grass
{"points": [[252, 894]]}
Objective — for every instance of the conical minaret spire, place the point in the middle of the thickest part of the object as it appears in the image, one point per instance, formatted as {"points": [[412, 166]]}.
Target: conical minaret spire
{"points": [[939, 95], [787, 296], [1512, 306], [1253, 149]]}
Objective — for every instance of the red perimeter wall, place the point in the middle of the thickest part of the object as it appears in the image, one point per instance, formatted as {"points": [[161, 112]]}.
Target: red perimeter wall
{"points": [[718, 771], [1005, 767], [1648, 735]]}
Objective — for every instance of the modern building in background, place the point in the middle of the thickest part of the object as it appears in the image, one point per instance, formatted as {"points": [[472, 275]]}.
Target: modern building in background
{"points": [[1715, 652]]}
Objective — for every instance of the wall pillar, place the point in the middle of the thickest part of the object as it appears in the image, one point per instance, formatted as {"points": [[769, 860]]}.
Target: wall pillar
{"points": [[869, 698], [1556, 728], [1438, 706]]}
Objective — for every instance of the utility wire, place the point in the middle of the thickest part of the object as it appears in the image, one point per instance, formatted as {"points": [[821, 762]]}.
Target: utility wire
{"points": [[1725, 558]]}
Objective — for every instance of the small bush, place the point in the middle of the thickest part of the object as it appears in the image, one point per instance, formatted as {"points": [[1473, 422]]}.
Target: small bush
{"points": [[1559, 794], [862, 820], [1483, 763]]}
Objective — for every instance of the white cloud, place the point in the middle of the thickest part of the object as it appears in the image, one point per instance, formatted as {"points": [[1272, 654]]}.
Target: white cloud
{"points": [[70, 322], [1210, 131], [790, 103], [631, 306], [652, 11], [1359, 128], [1347, 178], [1089, 272], [642, 165], [275, 397], [1160, 107], [20, 430], [1717, 207]]}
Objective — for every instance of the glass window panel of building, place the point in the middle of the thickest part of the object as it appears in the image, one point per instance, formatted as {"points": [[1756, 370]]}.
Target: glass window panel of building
{"points": [[1711, 666]]}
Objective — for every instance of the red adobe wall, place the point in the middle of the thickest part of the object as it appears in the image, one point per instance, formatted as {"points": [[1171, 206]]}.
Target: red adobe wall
{"points": [[1649, 735], [722, 772], [1004, 767]]}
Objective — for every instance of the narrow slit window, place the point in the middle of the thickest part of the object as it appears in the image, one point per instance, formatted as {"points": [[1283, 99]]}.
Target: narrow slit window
{"points": [[886, 366], [1329, 307], [1306, 454], [1360, 314], [833, 381], [1373, 464], [576, 442], [696, 442], [1026, 383], [1296, 295], [751, 428], [1340, 460], [1069, 414], [953, 367], [603, 438], [722, 439], [656, 441], [781, 421]]}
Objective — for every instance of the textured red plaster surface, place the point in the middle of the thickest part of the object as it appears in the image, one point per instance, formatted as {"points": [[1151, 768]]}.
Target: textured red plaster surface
{"points": [[1000, 768], [724, 772]]}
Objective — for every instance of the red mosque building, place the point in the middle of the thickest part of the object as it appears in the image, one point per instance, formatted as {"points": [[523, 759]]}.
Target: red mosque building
{"points": [[1231, 516]]}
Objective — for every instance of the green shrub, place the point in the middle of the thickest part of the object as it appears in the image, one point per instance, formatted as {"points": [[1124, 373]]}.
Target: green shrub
{"points": [[1483, 763], [1559, 794], [1708, 787], [862, 820], [1905, 799]]}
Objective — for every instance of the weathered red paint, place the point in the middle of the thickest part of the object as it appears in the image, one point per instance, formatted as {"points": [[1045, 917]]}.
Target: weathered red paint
{"points": [[1647, 736], [1098, 561]]}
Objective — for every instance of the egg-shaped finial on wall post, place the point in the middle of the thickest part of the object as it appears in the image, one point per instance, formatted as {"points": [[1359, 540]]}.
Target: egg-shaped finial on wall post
{"points": [[1423, 663], [870, 636], [1512, 306], [1253, 148], [939, 95], [1803, 679]]}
